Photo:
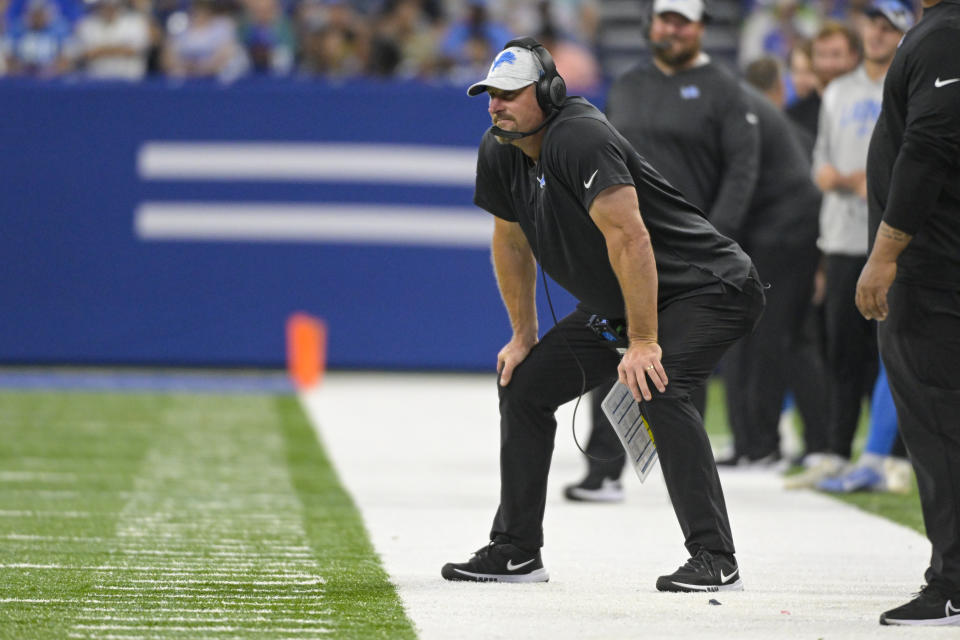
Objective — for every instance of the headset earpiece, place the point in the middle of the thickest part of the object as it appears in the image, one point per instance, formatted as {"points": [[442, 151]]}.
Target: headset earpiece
{"points": [[551, 89]]}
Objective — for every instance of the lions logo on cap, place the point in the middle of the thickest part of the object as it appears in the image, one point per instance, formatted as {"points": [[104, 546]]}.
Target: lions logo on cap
{"points": [[507, 57]]}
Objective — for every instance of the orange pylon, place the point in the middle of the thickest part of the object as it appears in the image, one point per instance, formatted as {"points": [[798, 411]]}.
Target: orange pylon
{"points": [[306, 350]]}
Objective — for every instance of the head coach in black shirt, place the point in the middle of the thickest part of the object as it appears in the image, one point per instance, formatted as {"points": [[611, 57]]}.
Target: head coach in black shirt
{"points": [[570, 192], [911, 284]]}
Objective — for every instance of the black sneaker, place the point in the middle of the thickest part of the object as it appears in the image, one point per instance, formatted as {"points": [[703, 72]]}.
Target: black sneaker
{"points": [[731, 460], [930, 608], [498, 563], [704, 572], [595, 488]]}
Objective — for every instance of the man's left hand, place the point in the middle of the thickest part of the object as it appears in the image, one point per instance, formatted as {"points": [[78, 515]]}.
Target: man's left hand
{"points": [[642, 360]]}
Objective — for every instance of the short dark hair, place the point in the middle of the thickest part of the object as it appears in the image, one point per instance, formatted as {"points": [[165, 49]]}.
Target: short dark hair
{"points": [[833, 27], [804, 47], [763, 74]]}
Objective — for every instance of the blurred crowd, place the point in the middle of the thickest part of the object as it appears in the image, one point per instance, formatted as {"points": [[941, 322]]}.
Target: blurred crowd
{"points": [[333, 39], [446, 40], [782, 33]]}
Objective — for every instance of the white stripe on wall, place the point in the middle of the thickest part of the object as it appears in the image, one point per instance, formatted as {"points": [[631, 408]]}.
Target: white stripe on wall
{"points": [[334, 223], [373, 163]]}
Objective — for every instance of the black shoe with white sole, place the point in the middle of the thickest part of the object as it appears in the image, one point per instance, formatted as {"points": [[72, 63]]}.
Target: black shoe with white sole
{"points": [[930, 608], [595, 488], [498, 563], [705, 571]]}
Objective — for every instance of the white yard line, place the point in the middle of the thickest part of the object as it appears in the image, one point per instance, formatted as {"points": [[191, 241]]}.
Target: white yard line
{"points": [[37, 476], [196, 489], [419, 455]]}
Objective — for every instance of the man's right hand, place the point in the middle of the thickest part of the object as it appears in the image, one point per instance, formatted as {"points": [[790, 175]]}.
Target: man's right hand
{"points": [[512, 354]]}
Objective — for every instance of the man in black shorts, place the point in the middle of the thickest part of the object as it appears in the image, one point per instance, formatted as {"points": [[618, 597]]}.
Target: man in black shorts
{"points": [[570, 192]]}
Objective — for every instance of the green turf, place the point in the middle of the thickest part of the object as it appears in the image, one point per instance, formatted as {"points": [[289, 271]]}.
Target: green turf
{"points": [[181, 515], [176, 516], [904, 509]]}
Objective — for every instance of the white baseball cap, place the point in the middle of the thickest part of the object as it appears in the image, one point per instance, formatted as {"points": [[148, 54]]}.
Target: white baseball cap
{"points": [[513, 68], [692, 10]]}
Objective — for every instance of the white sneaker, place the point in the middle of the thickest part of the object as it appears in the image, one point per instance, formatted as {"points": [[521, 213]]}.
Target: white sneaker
{"points": [[828, 466], [791, 445], [898, 475]]}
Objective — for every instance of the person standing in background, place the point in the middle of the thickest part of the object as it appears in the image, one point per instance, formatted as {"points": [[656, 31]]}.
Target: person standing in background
{"points": [[851, 105], [693, 123], [835, 51], [112, 42], [779, 235]]}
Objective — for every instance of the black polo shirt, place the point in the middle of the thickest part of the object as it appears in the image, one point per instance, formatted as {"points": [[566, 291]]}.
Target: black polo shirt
{"points": [[582, 154]]}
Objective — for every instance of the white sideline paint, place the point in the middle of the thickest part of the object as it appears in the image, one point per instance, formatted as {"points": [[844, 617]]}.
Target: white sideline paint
{"points": [[192, 594], [214, 554], [277, 161], [367, 224], [37, 476], [177, 570], [25, 513], [234, 617], [419, 455], [213, 628]]}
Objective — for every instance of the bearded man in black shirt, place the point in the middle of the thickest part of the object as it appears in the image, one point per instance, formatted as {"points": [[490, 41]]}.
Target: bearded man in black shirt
{"points": [[696, 127], [570, 192], [911, 284]]}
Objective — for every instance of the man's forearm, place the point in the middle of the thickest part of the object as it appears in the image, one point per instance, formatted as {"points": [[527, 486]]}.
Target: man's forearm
{"points": [[631, 257], [516, 271], [889, 243], [617, 214]]}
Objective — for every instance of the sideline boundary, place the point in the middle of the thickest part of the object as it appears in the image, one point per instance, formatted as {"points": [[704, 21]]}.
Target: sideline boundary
{"points": [[418, 453]]}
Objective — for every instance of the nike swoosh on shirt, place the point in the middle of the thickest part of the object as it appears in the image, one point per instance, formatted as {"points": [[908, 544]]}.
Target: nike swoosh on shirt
{"points": [[588, 183], [725, 579], [514, 567], [942, 83]]}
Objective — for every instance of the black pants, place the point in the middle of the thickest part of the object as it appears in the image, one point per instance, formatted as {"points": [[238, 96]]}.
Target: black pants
{"points": [[759, 369], [808, 380], [852, 359], [694, 333], [920, 346], [605, 458]]}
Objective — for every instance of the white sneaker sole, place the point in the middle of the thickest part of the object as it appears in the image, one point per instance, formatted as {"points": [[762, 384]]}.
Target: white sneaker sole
{"points": [[594, 495], [737, 585], [537, 575], [935, 622]]}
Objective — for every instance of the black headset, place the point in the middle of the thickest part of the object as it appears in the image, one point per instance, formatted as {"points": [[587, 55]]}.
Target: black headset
{"points": [[551, 89]]}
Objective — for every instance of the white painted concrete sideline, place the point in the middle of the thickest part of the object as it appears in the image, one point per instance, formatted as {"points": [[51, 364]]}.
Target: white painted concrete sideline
{"points": [[418, 452]]}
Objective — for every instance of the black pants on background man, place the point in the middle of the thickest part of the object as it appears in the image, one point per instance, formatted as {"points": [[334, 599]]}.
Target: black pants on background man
{"points": [[694, 333], [851, 351], [760, 368], [920, 344]]}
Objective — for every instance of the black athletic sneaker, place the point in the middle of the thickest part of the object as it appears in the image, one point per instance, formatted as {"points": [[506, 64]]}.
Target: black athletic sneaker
{"points": [[595, 488], [931, 607], [704, 572], [498, 563]]}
